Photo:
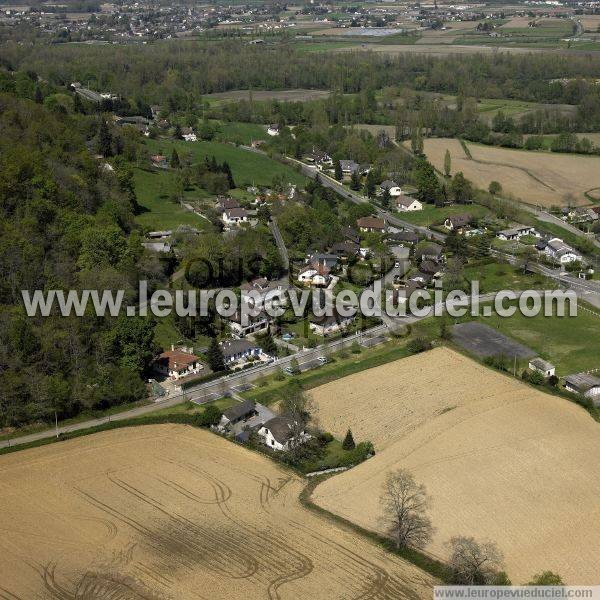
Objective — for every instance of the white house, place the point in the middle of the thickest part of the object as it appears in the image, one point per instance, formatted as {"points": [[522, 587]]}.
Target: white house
{"points": [[282, 433], [586, 385], [187, 133], [407, 204], [235, 350], [235, 216], [177, 363], [542, 366], [392, 187], [273, 129], [316, 275], [348, 167], [561, 252], [516, 233]]}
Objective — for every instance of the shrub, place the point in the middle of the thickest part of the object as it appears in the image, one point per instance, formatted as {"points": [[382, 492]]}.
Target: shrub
{"points": [[348, 443], [417, 345]]}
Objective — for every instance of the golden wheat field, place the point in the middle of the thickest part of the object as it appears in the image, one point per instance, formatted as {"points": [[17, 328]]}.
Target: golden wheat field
{"points": [[172, 512], [543, 178], [501, 460]]}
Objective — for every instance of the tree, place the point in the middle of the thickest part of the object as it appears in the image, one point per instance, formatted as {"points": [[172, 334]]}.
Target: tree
{"points": [[227, 170], [175, 162], [348, 443], [294, 366], [461, 189], [268, 344], [355, 181], [215, 356], [338, 170], [210, 416], [472, 562], [386, 198], [546, 578], [427, 183], [38, 97], [104, 140], [494, 188], [447, 163], [404, 506], [370, 184]]}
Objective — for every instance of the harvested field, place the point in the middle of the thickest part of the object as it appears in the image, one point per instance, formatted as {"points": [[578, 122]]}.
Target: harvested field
{"points": [[281, 95], [500, 460], [175, 512], [541, 178], [439, 49]]}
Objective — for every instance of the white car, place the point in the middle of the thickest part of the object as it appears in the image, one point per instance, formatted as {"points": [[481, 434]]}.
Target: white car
{"points": [[322, 359]]}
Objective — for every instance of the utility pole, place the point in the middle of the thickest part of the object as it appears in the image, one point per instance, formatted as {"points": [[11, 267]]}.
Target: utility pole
{"points": [[56, 422]]}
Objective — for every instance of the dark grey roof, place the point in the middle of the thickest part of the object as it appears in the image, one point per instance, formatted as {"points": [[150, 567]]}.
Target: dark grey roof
{"points": [[583, 382], [237, 411], [233, 347], [281, 428], [428, 250]]}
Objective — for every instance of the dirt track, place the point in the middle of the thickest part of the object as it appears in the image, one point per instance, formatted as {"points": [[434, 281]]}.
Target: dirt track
{"points": [[174, 512], [501, 460]]}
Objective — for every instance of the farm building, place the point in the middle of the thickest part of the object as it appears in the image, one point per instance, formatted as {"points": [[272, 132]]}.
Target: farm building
{"points": [[542, 366], [561, 252], [585, 385], [238, 413]]}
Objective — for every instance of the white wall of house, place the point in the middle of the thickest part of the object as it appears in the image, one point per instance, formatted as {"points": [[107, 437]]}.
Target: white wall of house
{"points": [[270, 441], [414, 205]]}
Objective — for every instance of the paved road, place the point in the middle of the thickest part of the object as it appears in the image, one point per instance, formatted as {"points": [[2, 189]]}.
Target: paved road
{"points": [[280, 243], [312, 172]]}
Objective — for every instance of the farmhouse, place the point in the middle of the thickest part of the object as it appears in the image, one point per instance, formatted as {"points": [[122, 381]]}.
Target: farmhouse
{"points": [[371, 224], [235, 216], [407, 204], [457, 222], [516, 233], [282, 433], [236, 350], [177, 363], [392, 187], [542, 366], [584, 384], [561, 252]]}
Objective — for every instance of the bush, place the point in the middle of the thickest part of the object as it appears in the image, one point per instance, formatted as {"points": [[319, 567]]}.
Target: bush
{"points": [[325, 438], [553, 380], [348, 443], [536, 378], [417, 345], [210, 416]]}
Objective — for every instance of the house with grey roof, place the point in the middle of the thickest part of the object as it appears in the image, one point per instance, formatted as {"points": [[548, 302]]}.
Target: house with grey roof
{"points": [[282, 433], [584, 384], [542, 366], [235, 350]]}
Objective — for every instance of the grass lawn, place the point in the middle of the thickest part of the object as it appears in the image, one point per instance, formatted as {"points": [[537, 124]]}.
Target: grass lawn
{"points": [[240, 133], [430, 214], [498, 276], [190, 408], [158, 212], [248, 168], [572, 344]]}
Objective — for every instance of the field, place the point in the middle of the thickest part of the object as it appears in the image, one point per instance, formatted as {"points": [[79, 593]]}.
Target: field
{"points": [[431, 214], [540, 178], [500, 460], [249, 168], [175, 512], [280, 95]]}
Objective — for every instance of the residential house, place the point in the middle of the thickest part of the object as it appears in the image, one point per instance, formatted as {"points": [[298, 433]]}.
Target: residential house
{"points": [[457, 222], [328, 260], [236, 350], [429, 252], [320, 159], [224, 204], [404, 237], [345, 250], [562, 253], [349, 167], [516, 233], [351, 235], [187, 133], [159, 235], [177, 363], [371, 224], [273, 129], [392, 187], [238, 413], [584, 384], [421, 279], [259, 291], [282, 433], [431, 268], [159, 161], [235, 216], [542, 366], [246, 324], [585, 215], [328, 324], [315, 275], [163, 247], [407, 204]]}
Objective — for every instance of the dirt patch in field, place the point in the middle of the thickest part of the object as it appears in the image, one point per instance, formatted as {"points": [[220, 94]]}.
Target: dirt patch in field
{"points": [[172, 512], [543, 178], [501, 460]]}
